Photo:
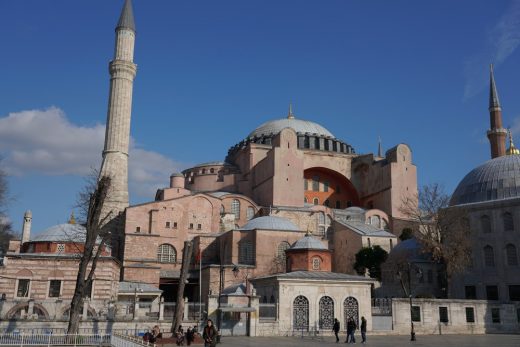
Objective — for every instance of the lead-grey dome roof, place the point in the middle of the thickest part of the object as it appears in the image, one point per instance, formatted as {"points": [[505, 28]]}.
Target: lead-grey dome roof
{"points": [[299, 125], [308, 242], [62, 233], [496, 179], [270, 223]]}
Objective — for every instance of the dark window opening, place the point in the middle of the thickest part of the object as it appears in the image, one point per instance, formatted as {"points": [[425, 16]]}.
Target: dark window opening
{"points": [[54, 288], [491, 292], [443, 314], [191, 226], [495, 315], [470, 292], [470, 315], [416, 313]]}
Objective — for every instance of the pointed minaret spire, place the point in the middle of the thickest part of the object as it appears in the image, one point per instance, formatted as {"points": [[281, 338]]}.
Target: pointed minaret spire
{"points": [[379, 148], [496, 134], [290, 115], [493, 95], [126, 20]]}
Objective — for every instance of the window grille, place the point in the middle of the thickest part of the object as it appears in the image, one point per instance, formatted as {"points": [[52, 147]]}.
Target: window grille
{"points": [[443, 314], [326, 313], [23, 288], [489, 256], [54, 288], [235, 208], [508, 222], [470, 315], [351, 310], [511, 255], [316, 262], [245, 254], [166, 253], [416, 313], [250, 213], [60, 248], [301, 313]]}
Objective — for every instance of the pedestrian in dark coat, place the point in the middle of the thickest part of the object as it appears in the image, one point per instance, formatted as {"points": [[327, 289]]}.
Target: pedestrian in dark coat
{"points": [[363, 329], [351, 328], [210, 334], [335, 328]]}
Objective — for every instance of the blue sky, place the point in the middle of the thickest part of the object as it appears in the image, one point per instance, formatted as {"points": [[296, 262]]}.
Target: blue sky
{"points": [[209, 72]]}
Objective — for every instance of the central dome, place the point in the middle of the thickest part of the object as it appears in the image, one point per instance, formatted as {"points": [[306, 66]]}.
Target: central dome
{"points": [[496, 179], [299, 125]]}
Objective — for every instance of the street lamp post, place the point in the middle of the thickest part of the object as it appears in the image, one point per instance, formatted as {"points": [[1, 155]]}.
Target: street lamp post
{"points": [[409, 294]]}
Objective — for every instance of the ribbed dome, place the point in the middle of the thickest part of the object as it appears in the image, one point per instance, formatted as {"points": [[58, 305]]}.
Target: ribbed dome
{"points": [[62, 233], [308, 242], [300, 126], [270, 223], [496, 179]]}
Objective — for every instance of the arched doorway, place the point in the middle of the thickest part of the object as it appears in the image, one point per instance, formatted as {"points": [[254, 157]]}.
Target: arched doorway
{"points": [[326, 313], [351, 310], [301, 313]]}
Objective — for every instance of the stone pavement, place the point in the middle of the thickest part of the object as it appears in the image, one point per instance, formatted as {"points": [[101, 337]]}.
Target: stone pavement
{"points": [[379, 341]]}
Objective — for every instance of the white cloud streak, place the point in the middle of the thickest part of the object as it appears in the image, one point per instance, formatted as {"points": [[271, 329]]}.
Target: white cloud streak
{"points": [[501, 41], [45, 142]]}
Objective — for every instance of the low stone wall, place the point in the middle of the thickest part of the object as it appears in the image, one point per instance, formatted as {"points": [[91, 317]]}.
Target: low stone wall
{"points": [[267, 328], [488, 317]]}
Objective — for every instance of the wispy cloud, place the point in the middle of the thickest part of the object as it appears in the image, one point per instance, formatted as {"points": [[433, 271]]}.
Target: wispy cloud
{"points": [[45, 142], [501, 41]]}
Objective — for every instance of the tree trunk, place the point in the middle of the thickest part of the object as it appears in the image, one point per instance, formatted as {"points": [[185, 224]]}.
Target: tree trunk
{"points": [[179, 308]]}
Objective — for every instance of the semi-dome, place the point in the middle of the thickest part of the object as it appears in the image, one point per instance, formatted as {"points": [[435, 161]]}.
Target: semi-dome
{"points": [[270, 223], [62, 233], [299, 125], [308, 242], [496, 179]]}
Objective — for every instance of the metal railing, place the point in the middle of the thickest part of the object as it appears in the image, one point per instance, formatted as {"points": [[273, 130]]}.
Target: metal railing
{"points": [[118, 340], [53, 340], [381, 306]]}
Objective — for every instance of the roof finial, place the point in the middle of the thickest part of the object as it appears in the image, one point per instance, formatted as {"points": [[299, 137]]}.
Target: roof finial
{"points": [[290, 115], [126, 20], [72, 219], [512, 149], [379, 148], [494, 102]]}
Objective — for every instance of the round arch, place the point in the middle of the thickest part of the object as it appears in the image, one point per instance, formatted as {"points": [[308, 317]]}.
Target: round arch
{"points": [[330, 187]]}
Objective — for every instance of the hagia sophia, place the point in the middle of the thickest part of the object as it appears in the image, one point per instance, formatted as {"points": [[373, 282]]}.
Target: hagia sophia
{"points": [[280, 216]]}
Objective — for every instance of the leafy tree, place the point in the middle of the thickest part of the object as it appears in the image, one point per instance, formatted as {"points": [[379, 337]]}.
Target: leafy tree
{"points": [[370, 258], [443, 231]]}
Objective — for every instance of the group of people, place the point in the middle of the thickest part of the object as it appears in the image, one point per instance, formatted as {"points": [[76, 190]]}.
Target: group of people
{"points": [[187, 337], [153, 335], [351, 329]]}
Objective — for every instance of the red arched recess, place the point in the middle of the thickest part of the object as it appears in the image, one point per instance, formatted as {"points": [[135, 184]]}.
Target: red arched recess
{"points": [[334, 189]]}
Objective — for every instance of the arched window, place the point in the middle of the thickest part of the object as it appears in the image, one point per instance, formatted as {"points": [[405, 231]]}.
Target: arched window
{"points": [[250, 212], [316, 201], [489, 256], [351, 310], [322, 226], [485, 224], [375, 221], [301, 313], [326, 186], [326, 203], [326, 313], [235, 208], [282, 247], [245, 253], [511, 255], [222, 209], [166, 253], [508, 222], [338, 204]]}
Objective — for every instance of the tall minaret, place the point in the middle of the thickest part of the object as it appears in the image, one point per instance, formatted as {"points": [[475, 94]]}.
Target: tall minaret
{"points": [[117, 136], [26, 229], [496, 134]]}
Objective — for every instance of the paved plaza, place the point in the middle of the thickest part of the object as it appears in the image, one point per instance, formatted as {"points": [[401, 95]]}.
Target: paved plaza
{"points": [[380, 341]]}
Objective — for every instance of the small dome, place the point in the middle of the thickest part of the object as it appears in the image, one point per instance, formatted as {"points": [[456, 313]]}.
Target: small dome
{"points": [[62, 233], [410, 249], [308, 242], [270, 223], [176, 174], [496, 179], [299, 125]]}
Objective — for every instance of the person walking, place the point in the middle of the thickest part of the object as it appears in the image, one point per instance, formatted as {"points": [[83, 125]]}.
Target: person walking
{"points": [[210, 334], [335, 328], [363, 329], [351, 328]]}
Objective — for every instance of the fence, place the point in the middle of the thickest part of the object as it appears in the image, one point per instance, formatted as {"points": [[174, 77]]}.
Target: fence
{"points": [[118, 340], [267, 311], [381, 307], [53, 340], [194, 309]]}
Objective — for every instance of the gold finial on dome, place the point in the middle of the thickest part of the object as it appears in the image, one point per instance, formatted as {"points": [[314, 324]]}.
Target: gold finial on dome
{"points": [[72, 219], [290, 115], [512, 149]]}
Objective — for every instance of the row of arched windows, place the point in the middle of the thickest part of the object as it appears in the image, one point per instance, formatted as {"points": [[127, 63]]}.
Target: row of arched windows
{"points": [[507, 223], [325, 312], [511, 255], [337, 204]]}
